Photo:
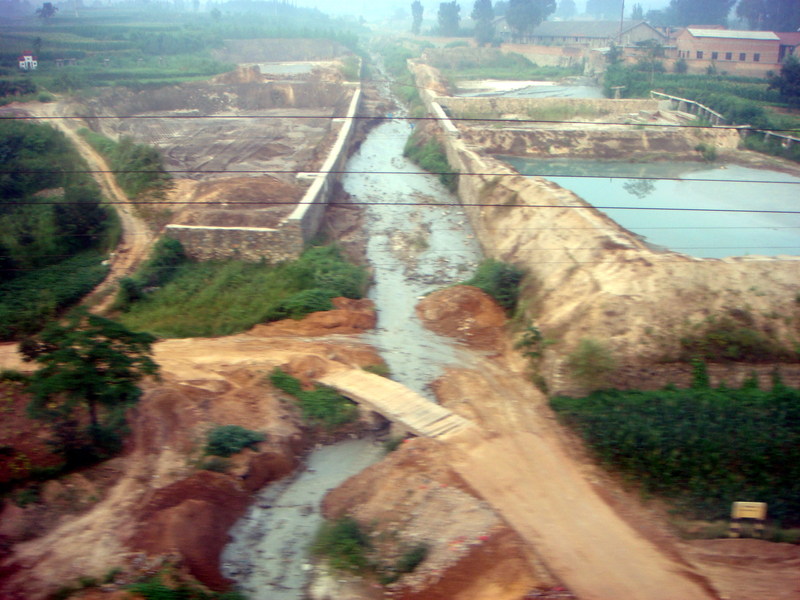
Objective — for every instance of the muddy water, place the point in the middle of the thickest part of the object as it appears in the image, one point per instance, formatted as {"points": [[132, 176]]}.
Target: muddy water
{"points": [[419, 241], [412, 250], [641, 192]]}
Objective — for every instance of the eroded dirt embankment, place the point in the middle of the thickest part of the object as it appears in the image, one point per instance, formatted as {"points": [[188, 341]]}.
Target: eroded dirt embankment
{"points": [[160, 505], [587, 276], [590, 278]]}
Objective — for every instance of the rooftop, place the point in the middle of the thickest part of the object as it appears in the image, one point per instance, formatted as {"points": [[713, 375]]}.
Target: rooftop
{"points": [[732, 34]]}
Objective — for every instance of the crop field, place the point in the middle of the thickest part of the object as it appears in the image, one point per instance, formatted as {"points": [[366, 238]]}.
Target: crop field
{"points": [[131, 48]]}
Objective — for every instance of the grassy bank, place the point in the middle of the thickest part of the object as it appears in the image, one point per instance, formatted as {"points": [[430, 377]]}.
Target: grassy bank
{"points": [[222, 298]]}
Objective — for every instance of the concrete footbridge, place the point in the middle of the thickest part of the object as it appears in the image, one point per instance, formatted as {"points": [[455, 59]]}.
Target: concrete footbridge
{"points": [[397, 403]]}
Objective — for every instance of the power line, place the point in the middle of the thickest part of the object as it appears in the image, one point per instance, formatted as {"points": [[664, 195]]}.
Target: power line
{"points": [[386, 118], [353, 172], [439, 204], [421, 204]]}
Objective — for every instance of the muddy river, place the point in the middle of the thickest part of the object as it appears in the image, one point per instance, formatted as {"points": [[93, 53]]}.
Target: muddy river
{"points": [[413, 250], [701, 209]]}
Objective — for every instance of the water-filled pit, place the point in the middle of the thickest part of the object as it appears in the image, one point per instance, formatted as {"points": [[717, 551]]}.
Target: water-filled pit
{"points": [[700, 209]]}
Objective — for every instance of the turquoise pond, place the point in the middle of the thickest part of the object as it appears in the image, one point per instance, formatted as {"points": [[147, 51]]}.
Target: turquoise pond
{"points": [[701, 209]]}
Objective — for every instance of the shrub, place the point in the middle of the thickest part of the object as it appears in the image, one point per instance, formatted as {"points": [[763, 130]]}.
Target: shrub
{"points": [[344, 544], [591, 363], [301, 304], [285, 382], [429, 154], [728, 339], [225, 440], [709, 151], [500, 280], [321, 406], [412, 558]]}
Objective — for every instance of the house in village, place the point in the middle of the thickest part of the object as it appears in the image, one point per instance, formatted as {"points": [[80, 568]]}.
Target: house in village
{"points": [[746, 53], [583, 34], [790, 44], [28, 62]]}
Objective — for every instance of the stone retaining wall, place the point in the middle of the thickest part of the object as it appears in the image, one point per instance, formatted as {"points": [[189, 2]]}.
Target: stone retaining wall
{"points": [[251, 244]]}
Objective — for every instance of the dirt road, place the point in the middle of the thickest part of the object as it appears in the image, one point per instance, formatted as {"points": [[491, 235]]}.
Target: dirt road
{"points": [[136, 236], [529, 475]]}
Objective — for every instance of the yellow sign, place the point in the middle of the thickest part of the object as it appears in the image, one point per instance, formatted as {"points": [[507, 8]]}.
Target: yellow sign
{"points": [[749, 510]]}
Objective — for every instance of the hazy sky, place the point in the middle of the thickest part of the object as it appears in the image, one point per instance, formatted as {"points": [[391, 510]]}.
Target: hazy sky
{"points": [[388, 7]]}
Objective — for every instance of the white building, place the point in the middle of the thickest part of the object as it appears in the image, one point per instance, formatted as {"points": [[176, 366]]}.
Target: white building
{"points": [[28, 62]]}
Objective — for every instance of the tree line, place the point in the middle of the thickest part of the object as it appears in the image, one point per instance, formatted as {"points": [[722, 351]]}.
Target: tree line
{"points": [[522, 16]]}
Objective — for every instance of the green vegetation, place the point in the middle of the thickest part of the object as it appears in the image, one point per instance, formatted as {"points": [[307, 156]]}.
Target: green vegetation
{"points": [[743, 101], [591, 363], [347, 547], [137, 48], [732, 337], [404, 86], [168, 586], [89, 368], [709, 151], [322, 406], [701, 447], [163, 264], [53, 227], [30, 300], [221, 298], [225, 440], [138, 168], [344, 544], [494, 64], [500, 280], [429, 154]]}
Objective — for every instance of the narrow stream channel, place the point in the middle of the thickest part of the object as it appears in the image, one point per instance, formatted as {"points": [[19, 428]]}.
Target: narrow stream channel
{"points": [[413, 250]]}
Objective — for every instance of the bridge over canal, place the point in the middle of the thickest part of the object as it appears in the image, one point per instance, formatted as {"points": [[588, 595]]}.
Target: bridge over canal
{"points": [[397, 403]]}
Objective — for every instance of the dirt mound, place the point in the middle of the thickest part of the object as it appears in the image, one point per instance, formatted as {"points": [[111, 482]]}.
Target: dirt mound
{"points": [[156, 501], [413, 497], [235, 201], [347, 317], [192, 517], [465, 313]]}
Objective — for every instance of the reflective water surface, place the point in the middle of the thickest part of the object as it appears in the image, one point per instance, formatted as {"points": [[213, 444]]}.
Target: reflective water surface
{"points": [[661, 201]]}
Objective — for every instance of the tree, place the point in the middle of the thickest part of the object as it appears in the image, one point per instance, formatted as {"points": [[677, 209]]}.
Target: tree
{"points": [[46, 11], [449, 18], [637, 14], [416, 16], [692, 12], [788, 82], [483, 14], [566, 9], [88, 362], [524, 15], [770, 15]]}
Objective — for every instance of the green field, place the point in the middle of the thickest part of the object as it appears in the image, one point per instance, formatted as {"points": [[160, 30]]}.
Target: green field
{"points": [[138, 48]]}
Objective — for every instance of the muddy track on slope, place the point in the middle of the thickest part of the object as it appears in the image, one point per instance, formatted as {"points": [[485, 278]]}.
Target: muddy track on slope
{"points": [[136, 237]]}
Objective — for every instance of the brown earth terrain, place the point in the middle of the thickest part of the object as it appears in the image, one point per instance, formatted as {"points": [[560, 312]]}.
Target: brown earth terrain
{"points": [[498, 510]]}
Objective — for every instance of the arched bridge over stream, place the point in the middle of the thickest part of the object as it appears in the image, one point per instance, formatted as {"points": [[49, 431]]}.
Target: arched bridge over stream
{"points": [[397, 403]]}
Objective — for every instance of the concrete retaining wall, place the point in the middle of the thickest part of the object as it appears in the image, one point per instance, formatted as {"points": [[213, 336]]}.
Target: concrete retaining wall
{"points": [[286, 241], [309, 213], [467, 107]]}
